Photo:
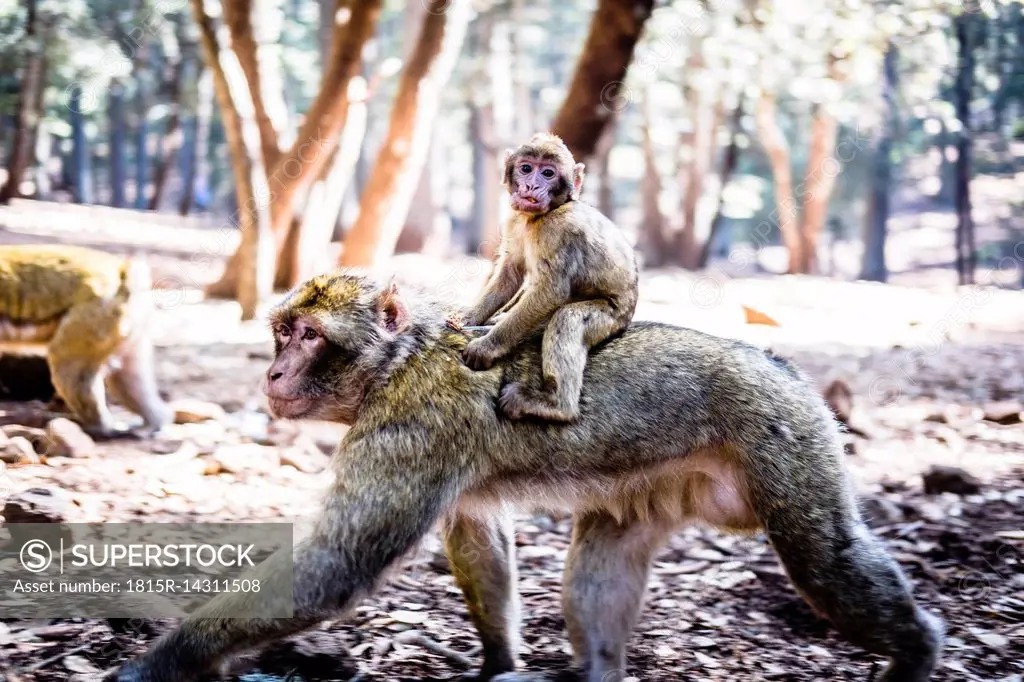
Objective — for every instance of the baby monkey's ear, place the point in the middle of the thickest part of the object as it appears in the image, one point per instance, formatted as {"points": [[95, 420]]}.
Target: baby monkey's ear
{"points": [[506, 168], [577, 180], [393, 311]]}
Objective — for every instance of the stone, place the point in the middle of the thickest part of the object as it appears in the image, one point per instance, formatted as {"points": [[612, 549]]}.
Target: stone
{"points": [[946, 479], [33, 435], [18, 450], [35, 505], [238, 458], [190, 411], [1005, 412], [65, 438], [305, 456]]}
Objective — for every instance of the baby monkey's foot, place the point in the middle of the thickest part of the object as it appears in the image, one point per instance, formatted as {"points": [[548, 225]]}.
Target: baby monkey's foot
{"points": [[519, 401]]}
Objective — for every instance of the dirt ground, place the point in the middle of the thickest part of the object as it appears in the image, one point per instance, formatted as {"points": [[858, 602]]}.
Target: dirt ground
{"points": [[934, 373]]}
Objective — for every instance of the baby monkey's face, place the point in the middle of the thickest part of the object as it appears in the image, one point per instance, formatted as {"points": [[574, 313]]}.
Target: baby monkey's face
{"points": [[538, 185]]}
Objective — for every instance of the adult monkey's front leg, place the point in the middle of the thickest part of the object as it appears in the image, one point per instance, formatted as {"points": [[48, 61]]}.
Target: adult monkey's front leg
{"points": [[369, 522], [482, 556], [207, 637]]}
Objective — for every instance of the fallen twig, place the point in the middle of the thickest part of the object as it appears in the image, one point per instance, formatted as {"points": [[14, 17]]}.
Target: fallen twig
{"points": [[53, 659], [417, 638]]}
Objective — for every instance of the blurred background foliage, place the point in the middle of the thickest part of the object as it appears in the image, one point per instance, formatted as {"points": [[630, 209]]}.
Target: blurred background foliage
{"points": [[818, 137]]}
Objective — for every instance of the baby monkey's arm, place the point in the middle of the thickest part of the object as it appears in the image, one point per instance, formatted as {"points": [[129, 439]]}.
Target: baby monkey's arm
{"points": [[503, 284], [538, 302]]}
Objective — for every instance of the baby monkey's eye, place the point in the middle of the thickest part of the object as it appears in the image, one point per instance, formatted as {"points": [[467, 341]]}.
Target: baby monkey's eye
{"points": [[284, 331], [309, 334], [525, 168], [548, 173]]}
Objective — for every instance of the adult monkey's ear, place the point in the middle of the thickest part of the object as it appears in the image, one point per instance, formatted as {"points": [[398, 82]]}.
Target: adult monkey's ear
{"points": [[393, 312], [577, 180]]}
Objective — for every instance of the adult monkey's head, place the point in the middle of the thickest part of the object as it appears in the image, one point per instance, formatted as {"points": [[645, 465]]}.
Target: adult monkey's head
{"points": [[333, 336], [541, 175]]}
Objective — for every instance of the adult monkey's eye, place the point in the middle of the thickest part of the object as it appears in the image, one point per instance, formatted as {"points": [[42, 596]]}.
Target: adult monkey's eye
{"points": [[548, 173], [309, 334], [525, 168]]}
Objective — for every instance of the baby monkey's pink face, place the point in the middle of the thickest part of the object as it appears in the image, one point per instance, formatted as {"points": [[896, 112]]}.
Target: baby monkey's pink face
{"points": [[538, 185]]}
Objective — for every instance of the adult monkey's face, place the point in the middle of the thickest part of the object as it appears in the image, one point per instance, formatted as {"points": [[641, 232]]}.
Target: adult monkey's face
{"points": [[541, 175], [331, 335]]}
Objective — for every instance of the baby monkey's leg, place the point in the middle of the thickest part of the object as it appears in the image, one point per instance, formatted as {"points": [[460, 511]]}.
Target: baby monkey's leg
{"points": [[573, 330]]}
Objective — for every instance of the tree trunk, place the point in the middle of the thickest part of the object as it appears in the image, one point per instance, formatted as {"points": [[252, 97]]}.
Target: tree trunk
{"points": [[82, 171], [323, 207], [385, 202], [325, 31], [729, 162], [171, 140], [947, 170], [873, 266], [702, 151], [251, 29], [423, 207], [654, 243], [315, 142], [46, 148], [33, 81], [497, 126], [1003, 55], [965, 252], [486, 232], [322, 128], [777, 148], [143, 104], [521, 73], [40, 146], [427, 226], [256, 252], [598, 89], [819, 181], [602, 163], [118, 162], [478, 213], [197, 169]]}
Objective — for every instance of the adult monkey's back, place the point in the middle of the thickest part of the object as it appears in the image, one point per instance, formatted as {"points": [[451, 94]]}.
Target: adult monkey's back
{"points": [[674, 425]]}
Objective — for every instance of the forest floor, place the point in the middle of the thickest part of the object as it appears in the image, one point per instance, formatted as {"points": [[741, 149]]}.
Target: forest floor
{"points": [[937, 375]]}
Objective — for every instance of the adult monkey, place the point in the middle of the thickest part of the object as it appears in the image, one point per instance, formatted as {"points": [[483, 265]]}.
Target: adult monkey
{"points": [[90, 312], [674, 425]]}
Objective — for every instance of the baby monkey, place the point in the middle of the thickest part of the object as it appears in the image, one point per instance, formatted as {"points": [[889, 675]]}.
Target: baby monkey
{"points": [[580, 279]]}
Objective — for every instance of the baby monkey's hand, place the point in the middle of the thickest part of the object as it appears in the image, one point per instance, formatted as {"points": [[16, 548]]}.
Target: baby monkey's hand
{"points": [[481, 353]]}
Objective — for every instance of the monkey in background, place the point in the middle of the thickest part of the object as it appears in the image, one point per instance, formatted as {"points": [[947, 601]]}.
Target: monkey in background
{"points": [[89, 311], [580, 277], [682, 426]]}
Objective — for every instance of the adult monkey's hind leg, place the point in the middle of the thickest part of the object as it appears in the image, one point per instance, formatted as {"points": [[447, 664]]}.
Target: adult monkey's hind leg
{"points": [[482, 558], [603, 589], [841, 568], [568, 338], [132, 382], [77, 354]]}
